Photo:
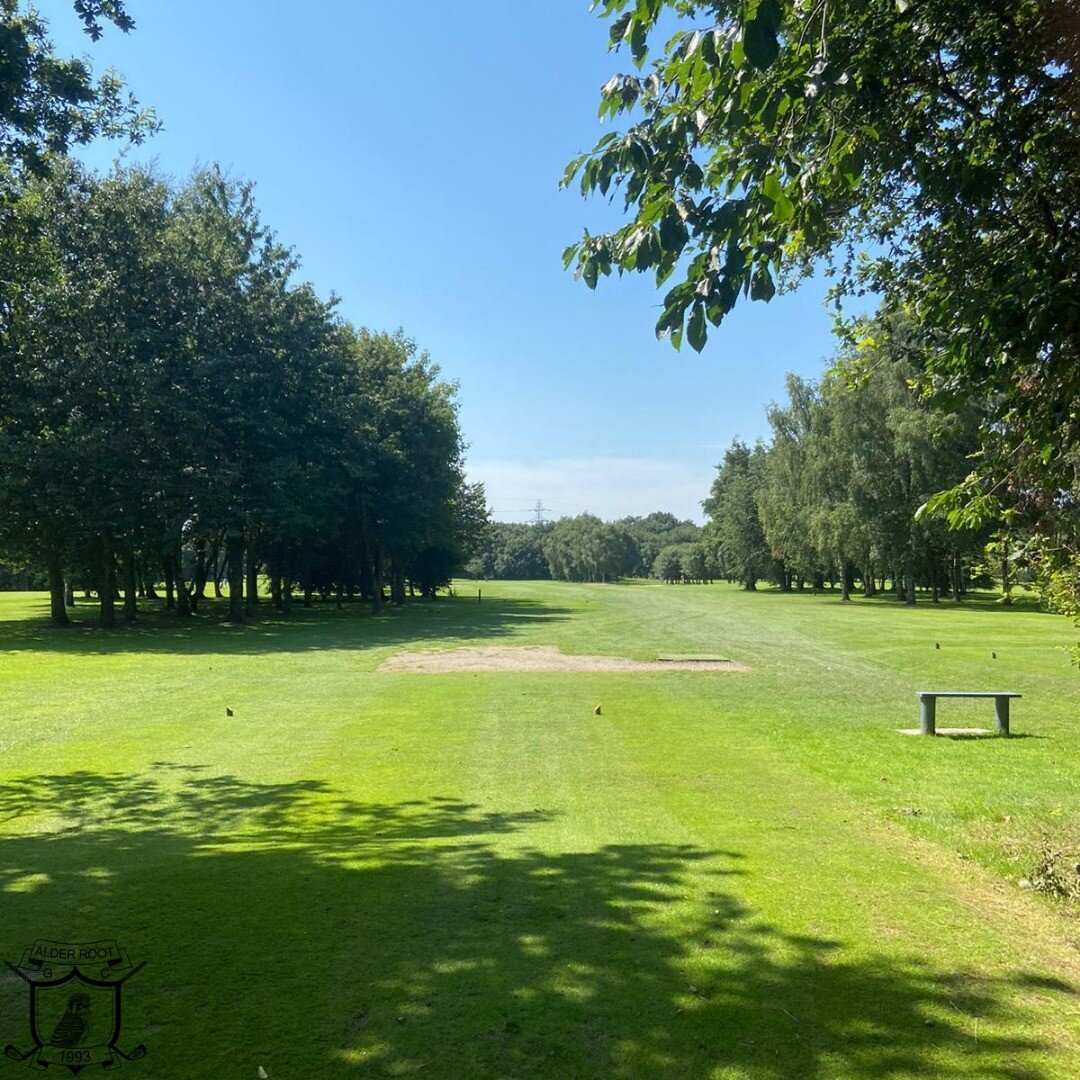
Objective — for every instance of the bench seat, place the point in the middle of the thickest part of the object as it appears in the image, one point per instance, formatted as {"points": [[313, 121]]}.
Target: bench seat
{"points": [[928, 706]]}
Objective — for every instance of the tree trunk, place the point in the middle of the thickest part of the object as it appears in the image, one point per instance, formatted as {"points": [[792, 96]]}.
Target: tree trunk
{"points": [[219, 570], [57, 597], [131, 588], [845, 584], [397, 587], [234, 554], [365, 579], [140, 577], [107, 591], [286, 594], [69, 593], [376, 578], [252, 598], [170, 581], [909, 588], [198, 582], [184, 608]]}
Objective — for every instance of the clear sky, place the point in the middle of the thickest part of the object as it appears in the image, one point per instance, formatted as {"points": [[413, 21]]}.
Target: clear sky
{"points": [[411, 153]]}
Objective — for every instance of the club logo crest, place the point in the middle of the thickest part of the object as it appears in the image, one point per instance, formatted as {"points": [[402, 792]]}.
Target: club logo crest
{"points": [[75, 1004]]}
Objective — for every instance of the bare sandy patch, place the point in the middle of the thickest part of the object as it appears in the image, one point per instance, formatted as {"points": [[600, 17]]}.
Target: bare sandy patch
{"points": [[538, 659]]}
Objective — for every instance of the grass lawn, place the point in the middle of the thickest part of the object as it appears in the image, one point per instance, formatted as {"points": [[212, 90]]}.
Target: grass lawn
{"points": [[474, 876]]}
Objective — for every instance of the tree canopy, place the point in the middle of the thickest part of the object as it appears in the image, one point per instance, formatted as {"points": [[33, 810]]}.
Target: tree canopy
{"points": [[49, 103], [836, 492], [927, 150], [175, 406]]}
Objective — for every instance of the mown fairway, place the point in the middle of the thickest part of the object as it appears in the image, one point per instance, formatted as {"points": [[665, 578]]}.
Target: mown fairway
{"points": [[723, 875]]}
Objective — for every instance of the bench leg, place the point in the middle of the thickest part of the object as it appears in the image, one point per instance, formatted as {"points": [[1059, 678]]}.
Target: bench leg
{"points": [[1001, 712], [928, 715]]}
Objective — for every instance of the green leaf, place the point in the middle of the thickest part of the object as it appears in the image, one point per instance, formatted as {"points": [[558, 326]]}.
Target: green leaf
{"points": [[761, 40], [697, 332], [763, 287], [672, 231], [618, 29], [783, 209], [638, 41]]}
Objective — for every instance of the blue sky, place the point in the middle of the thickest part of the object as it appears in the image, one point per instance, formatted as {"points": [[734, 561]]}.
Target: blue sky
{"points": [[411, 153]]}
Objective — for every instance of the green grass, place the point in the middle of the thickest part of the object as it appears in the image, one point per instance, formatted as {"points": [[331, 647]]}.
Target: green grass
{"points": [[723, 875]]}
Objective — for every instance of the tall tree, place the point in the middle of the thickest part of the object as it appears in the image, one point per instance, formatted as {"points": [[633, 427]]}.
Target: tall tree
{"points": [[49, 103], [732, 506], [772, 136]]}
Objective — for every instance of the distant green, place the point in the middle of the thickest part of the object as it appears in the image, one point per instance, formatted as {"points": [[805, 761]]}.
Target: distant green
{"points": [[475, 876]]}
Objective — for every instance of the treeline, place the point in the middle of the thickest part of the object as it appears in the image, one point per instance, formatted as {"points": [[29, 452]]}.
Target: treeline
{"points": [[174, 406], [836, 494], [584, 548]]}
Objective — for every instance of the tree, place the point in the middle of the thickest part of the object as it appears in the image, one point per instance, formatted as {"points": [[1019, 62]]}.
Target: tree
{"points": [[854, 458], [516, 552], [668, 564], [169, 394], [785, 499], [48, 103], [79, 356], [584, 548], [732, 506], [656, 531], [773, 136]]}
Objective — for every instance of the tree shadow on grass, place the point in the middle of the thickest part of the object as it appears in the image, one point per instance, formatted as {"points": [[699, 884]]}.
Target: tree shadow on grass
{"points": [[320, 627], [981, 601], [289, 927]]}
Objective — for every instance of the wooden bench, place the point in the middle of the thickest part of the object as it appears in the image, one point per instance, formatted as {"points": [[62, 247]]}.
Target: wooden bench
{"points": [[928, 704]]}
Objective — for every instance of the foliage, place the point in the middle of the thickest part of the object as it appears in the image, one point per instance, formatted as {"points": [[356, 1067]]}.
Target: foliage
{"points": [[49, 104], [1060, 585], [668, 564], [1057, 874], [732, 507], [939, 136], [691, 563], [837, 491], [654, 532], [584, 548], [169, 394], [515, 552]]}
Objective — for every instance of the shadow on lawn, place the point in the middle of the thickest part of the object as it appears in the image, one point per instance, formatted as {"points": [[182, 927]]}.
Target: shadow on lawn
{"points": [[320, 627], [982, 601], [288, 927]]}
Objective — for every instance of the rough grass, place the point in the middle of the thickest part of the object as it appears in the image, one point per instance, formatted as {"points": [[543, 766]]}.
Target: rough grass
{"points": [[472, 875]]}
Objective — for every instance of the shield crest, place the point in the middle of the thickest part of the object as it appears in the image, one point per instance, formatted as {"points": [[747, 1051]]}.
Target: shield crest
{"points": [[75, 1005], [74, 1018]]}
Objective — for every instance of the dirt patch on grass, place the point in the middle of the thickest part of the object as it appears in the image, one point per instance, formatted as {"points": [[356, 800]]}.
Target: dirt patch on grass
{"points": [[538, 659]]}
